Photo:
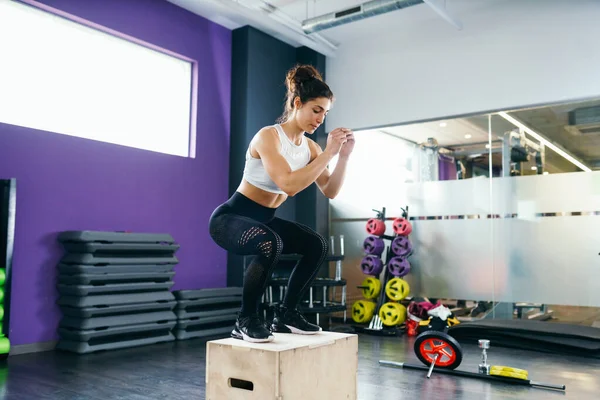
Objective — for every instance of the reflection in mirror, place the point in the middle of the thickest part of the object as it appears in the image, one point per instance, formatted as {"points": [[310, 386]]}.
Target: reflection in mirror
{"points": [[522, 245]]}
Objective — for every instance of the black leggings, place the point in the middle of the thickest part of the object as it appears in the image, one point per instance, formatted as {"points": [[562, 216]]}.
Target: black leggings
{"points": [[244, 227]]}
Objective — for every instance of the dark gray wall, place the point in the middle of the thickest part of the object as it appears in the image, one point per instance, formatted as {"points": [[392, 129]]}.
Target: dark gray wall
{"points": [[260, 63], [312, 208]]}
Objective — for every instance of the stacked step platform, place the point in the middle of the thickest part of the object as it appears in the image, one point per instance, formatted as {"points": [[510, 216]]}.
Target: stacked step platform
{"points": [[115, 290], [206, 313]]}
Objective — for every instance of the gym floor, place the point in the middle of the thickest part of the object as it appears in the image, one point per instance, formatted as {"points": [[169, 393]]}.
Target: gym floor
{"points": [[177, 371]]}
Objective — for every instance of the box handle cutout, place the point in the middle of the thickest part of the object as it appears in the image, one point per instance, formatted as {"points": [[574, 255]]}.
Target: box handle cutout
{"points": [[241, 384]]}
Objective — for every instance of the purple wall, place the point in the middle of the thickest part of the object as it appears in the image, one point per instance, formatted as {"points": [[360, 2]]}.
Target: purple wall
{"points": [[67, 183], [447, 168]]}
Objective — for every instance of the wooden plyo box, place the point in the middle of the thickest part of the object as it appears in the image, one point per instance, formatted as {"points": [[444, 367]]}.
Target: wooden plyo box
{"points": [[291, 367]]}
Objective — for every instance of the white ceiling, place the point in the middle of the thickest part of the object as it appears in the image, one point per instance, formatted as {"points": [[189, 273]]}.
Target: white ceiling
{"points": [[470, 134], [285, 23], [447, 133]]}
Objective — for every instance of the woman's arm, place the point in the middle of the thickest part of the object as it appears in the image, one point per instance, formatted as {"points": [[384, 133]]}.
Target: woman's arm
{"points": [[291, 182], [331, 183]]}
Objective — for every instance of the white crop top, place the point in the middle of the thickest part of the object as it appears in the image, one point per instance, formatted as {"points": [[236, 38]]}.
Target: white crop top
{"points": [[297, 156]]}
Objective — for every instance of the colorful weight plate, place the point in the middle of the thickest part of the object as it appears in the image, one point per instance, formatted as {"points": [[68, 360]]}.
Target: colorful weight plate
{"points": [[397, 289], [392, 314]]}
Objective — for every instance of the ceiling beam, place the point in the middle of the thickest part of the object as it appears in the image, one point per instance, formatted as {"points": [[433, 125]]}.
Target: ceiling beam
{"points": [[261, 15]]}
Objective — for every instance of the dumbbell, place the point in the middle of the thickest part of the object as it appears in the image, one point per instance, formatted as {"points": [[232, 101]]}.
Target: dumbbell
{"points": [[484, 368]]}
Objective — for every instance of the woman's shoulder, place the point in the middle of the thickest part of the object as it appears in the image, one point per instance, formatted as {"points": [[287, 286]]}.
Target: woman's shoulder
{"points": [[266, 135], [268, 132]]}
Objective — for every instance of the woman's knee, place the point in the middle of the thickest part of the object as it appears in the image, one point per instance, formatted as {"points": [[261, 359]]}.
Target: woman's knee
{"points": [[316, 244], [323, 244]]}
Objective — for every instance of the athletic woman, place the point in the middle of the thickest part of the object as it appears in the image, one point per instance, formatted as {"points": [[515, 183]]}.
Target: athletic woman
{"points": [[280, 162]]}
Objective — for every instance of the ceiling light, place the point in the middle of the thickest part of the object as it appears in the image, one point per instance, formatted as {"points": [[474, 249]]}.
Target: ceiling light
{"points": [[467, 136], [443, 124], [534, 168], [545, 141]]}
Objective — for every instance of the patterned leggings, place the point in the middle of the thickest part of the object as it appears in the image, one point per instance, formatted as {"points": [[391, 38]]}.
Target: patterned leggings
{"points": [[244, 227]]}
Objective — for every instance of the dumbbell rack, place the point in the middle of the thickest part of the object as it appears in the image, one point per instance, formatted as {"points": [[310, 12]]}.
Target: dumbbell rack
{"points": [[317, 301], [376, 325]]}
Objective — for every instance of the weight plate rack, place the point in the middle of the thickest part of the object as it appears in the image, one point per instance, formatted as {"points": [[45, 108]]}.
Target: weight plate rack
{"points": [[115, 290], [381, 311], [206, 313]]}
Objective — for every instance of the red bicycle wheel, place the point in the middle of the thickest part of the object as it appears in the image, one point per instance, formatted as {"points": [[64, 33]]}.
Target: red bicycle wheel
{"points": [[431, 343]]}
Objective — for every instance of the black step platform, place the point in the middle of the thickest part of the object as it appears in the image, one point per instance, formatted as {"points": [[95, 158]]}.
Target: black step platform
{"points": [[115, 243], [207, 307], [205, 313], [114, 237], [119, 309], [85, 335], [117, 341], [209, 292], [120, 260], [113, 299], [109, 278], [205, 327], [104, 322], [121, 248], [130, 287], [101, 268]]}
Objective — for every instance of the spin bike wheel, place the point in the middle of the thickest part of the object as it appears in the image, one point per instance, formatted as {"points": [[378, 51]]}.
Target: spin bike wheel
{"points": [[430, 343]]}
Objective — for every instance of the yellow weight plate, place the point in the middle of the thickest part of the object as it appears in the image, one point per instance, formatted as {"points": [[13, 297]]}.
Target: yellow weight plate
{"points": [[502, 368], [509, 374], [397, 289], [371, 287], [362, 311], [392, 314]]}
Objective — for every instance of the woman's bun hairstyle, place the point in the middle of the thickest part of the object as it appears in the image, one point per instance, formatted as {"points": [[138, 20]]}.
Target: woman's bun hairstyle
{"points": [[304, 81]]}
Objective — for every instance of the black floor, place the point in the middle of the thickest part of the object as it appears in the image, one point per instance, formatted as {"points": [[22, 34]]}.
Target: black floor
{"points": [[176, 371]]}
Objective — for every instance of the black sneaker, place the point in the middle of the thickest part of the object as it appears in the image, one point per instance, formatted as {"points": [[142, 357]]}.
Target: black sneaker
{"points": [[291, 321], [251, 329]]}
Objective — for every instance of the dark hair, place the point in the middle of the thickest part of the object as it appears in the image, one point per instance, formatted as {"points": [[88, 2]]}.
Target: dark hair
{"points": [[306, 82]]}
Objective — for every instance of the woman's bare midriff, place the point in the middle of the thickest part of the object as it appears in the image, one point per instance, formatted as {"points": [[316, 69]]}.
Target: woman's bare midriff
{"points": [[262, 197]]}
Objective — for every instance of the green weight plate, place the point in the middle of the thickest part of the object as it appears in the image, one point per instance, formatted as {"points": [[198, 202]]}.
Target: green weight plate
{"points": [[2, 276], [4, 345]]}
